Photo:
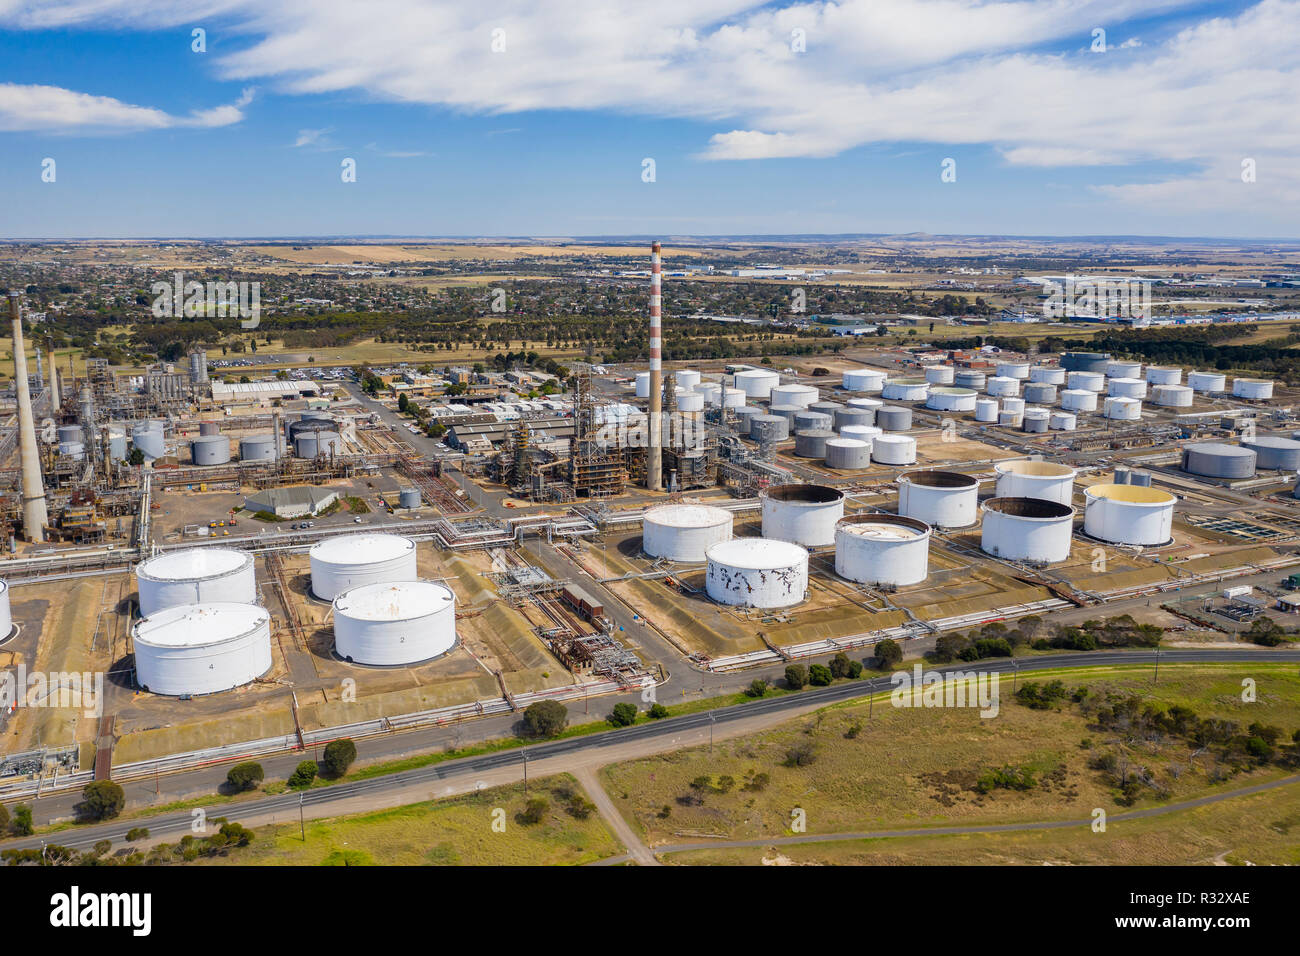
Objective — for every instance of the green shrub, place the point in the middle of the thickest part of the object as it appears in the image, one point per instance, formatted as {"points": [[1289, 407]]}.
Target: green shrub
{"points": [[303, 774], [545, 718], [339, 755], [623, 715], [796, 676], [245, 776]]}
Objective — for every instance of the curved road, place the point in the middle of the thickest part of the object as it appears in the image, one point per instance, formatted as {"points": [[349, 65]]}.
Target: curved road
{"points": [[563, 755]]}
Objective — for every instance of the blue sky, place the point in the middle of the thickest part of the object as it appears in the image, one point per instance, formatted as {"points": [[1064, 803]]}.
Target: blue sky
{"points": [[547, 135]]}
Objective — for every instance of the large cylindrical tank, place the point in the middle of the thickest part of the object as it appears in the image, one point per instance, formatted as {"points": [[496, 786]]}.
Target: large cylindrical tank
{"points": [[642, 384], [148, 437], [757, 572], [195, 576], [390, 625], [6, 612], [801, 514], [1122, 409], [257, 448], [802, 421], [209, 428], [684, 532], [1164, 374], [350, 560], [1040, 393], [210, 450], [408, 498], [854, 416], [1259, 389], [942, 499], [1087, 381], [811, 442], [1123, 368], [1027, 529], [1128, 514], [193, 649], [1086, 362], [905, 390], [949, 398], [866, 433], [1172, 396], [788, 412], [969, 378], [1011, 419], [1123, 475], [313, 443], [1274, 453], [690, 401], [765, 428], [116, 443], [744, 415], [711, 391], [848, 454], [755, 383], [871, 404], [826, 408], [1045, 480], [1064, 421], [1128, 388], [1016, 370], [317, 422], [1035, 419], [882, 549], [863, 380], [1140, 478], [801, 395], [894, 450], [1079, 400], [685, 379], [1210, 383], [1000, 386], [986, 410], [1217, 460], [940, 374], [731, 398], [1047, 374], [73, 449], [70, 433], [893, 418]]}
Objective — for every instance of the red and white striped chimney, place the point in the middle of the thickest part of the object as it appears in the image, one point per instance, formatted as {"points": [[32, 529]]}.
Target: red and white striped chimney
{"points": [[655, 456]]}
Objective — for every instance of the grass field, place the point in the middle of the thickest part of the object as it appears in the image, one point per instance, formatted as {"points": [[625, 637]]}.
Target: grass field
{"points": [[917, 767], [443, 833]]}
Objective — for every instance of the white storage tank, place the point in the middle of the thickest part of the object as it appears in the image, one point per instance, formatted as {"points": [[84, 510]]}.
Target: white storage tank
{"points": [[866, 433], [1047, 374], [769, 428], [310, 444], [1016, 370], [942, 499], [1210, 383], [731, 398], [1027, 529], [811, 442], [870, 404], [1128, 388], [6, 612], [257, 448], [690, 401], [1128, 514], [800, 395], [390, 625], [210, 450], [642, 384], [940, 374], [863, 380], [1063, 421], [1258, 389], [1013, 404], [882, 549], [1087, 381], [755, 383], [1011, 419], [408, 498], [948, 398], [905, 390], [1123, 409], [1172, 396], [685, 379], [986, 410], [195, 576], [848, 454], [1040, 393], [148, 437], [1026, 478], [1035, 419], [1123, 368], [350, 560], [1079, 400], [1164, 374], [1001, 386], [757, 572], [894, 450], [969, 378], [196, 649], [801, 514]]}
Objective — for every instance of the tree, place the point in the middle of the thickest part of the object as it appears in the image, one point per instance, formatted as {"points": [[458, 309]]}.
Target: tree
{"points": [[4, 818], [22, 825], [245, 776], [947, 647], [623, 715], [136, 457], [888, 653], [819, 675], [657, 711], [338, 756], [101, 800], [545, 718], [303, 774], [403, 403], [840, 665], [796, 676], [757, 688]]}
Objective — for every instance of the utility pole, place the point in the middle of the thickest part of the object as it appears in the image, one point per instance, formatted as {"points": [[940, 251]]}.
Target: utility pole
{"points": [[302, 824], [1157, 680], [525, 771], [712, 721]]}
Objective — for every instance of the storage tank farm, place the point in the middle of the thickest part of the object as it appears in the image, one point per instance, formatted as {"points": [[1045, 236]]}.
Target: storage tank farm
{"points": [[1128, 514], [394, 624], [195, 576], [351, 560], [882, 549], [941, 499], [194, 649], [685, 532]]}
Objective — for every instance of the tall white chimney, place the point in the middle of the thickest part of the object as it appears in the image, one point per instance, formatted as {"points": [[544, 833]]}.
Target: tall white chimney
{"points": [[654, 478], [35, 514]]}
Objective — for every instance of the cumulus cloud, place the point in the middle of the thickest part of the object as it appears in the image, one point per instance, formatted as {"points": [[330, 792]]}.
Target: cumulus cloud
{"points": [[36, 108]]}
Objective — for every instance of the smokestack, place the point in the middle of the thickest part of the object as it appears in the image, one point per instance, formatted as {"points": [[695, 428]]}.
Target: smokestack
{"points": [[35, 515], [654, 478], [56, 400]]}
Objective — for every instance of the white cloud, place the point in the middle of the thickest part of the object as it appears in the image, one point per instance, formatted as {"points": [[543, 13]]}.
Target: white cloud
{"points": [[35, 108]]}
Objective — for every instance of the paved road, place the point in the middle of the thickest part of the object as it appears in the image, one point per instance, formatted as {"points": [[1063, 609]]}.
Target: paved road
{"points": [[564, 755]]}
